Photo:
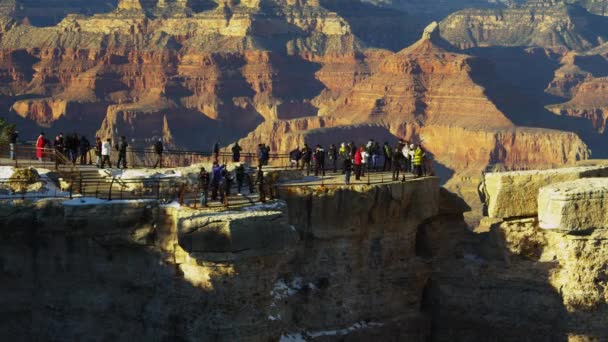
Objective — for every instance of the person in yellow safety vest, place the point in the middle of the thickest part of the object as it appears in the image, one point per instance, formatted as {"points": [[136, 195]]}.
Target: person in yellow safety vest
{"points": [[418, 157]]}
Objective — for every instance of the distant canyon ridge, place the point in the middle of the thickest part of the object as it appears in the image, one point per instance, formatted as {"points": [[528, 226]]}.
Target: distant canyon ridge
{"points": [[482, 84]]}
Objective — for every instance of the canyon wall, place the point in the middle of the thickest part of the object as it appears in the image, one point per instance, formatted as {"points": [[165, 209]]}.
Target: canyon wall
{"points": [[389, 262]]}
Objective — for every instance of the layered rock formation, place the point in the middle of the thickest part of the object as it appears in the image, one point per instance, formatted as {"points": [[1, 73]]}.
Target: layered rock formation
{"points": [[542, 23]]}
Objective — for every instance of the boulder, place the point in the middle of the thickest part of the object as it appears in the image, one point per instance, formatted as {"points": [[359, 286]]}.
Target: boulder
{"points": [[514, 194], [22, 179], [575, 206]]}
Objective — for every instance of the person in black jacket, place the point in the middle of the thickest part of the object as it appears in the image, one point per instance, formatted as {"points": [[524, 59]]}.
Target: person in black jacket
{"points": [[348, 169], [203, 184], [158, 150], [319, 160], [306, 158], [333, 156], [122, 152], [398, 159], [294, 157], [236, 152], [85, 147]]}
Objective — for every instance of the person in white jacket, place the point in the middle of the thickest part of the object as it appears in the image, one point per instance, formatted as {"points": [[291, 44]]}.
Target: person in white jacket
{"points": [[407, 158], [106, 148], [364, 162]]}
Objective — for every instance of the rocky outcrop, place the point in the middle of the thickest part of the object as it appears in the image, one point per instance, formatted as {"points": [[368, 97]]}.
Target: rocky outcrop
{"points": [[514, 194], [322, 260], [553, 24], [575, 206]]}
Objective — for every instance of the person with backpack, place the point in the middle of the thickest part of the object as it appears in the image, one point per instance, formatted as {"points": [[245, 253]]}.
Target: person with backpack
{"points": [[158, 150], [216, 179], [260, 182], [121, 147]]}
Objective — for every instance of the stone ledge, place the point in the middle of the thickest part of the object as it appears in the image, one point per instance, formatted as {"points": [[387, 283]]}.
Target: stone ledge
{"points": [[575, 206], [514, 194]]}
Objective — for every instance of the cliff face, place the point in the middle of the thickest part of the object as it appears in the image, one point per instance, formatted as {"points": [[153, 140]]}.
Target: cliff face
{"points": [[392, 261], [552, 24], [324, 260]]}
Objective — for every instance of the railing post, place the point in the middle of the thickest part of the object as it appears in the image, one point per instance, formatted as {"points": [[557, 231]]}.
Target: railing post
{"points": [[158, 189], [71, 186], [110, 190]]}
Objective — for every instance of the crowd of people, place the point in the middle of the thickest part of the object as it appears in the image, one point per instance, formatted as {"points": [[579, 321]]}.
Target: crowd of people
{"points": [[403, 158]]}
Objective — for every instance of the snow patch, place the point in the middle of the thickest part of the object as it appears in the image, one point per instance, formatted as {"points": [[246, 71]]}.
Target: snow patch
{"points": [[292, 338], [6, 172], [304, 336], [139, 174], [276, 205], [174, 204], [282, 290], [97, 201]]}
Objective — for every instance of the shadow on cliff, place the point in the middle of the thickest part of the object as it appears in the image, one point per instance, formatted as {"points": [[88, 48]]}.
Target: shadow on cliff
{"points": [[378, 26], [480, 291], [519, 93]]}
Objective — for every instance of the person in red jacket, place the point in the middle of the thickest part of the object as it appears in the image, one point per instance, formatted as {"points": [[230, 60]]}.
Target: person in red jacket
{"points": [[40, 144], [359, 162]]}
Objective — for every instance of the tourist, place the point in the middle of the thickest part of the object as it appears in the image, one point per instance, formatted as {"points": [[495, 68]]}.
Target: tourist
{"points": [[261, 151], [98, 151], [333, 156], [319, 160], [405, 151], [344, 153], [260, 181], [122, 152], [240, 177], [358, 162], [203, 185], [216, 151], [158, 150], [348, 168], [353, 149], [306, 158], [364, 161], [85, 146], [398, 159], [236, 152], [106, 149], [216, 179], [266, 154], [12, 141], [59, 143], [225, 183], [74, 147], [40, 145], [388, 156], [417, 160], [411, 159], [294, 157], [375, 155]]}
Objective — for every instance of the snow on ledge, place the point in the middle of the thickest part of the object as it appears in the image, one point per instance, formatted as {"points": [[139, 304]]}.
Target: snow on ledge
{"points": [[96, 201]]}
